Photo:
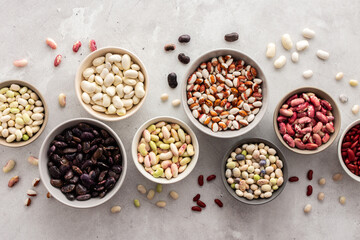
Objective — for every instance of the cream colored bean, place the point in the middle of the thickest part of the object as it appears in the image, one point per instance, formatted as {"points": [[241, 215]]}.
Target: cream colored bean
{"points": [[280, 62], [339, 76], [342, 200], [302, 45], [323, 55], [286, 41], [307, 208], [115, 209], [308, 33], [321, 196], [271, 50]]}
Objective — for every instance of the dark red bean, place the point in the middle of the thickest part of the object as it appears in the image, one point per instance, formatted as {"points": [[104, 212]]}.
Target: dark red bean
{"points": [[201, 180], [201, 203], [196, 198], [172, 80], [196, 208], [183, 58], [310, 174], [169, 47], [185, 38], [231, 37], [309, 190], [211, 177], [219, 202], [293, 179]]}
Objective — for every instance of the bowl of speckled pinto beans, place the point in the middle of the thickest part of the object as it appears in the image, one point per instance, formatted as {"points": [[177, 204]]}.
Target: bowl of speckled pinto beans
{"points": [[307, 120], [224, 93]]}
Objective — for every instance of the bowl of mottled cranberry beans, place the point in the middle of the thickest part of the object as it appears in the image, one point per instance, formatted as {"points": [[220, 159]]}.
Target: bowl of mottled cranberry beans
{"points": [[82, 163], [307, 120], [349, 150]]}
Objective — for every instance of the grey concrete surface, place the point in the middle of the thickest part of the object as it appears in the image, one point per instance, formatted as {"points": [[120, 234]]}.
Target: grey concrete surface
{"points": [[144, 27]]}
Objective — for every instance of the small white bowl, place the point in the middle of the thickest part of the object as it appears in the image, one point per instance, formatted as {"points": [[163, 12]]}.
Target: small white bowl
{"points": [[87, 62], [44, 173], [140, 166], [352, 175], [237, 55]]}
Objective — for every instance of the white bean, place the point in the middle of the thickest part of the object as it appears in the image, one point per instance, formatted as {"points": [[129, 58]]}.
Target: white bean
{"points": [[295, 57], [271, 50], [322, 54], [286, 41], [126, 61], [280, 62], [139, 90], [308, 33], [339, 76], [302, 45], [307, 74]]}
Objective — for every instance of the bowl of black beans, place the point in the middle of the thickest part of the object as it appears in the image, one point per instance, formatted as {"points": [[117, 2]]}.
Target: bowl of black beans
{"points": [[82, 163]]}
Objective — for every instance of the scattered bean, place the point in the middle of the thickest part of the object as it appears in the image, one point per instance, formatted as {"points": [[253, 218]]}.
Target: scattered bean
{"points": [[309, 190], [35, 182], [322, 181], [271, 50], [159, 188], [310, 174], [293, 179], [183, 58], [196, 208], [342, 200], [115, 209], [219, 202], [57, 60], [302, 45], [31, 193], [321, 196], [176, 102], [141, 189], [92, 45], [308, 33], [201, 180], [307, 74], [51, 43], [307, 208], [161, 204], [185, 38], [355, 109], [172, 80], [353, 82], [164, 97], [76, 46], [322, 54], [13, 181], [174, 195], [137, 203], [339, 76], [231, 37], [286, 41], [211, 177], [62, 99], [200, 203], [48, 195], [343, 98], [169, 47], [280, 62], [33, 160], [151, 194], [27, 202], [295, 57], [196, 198], [20, 62], [337, 177], [9, 166]]}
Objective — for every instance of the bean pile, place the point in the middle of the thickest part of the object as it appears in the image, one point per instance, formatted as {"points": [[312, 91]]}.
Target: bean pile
{"points": [[306, 121], [165, 150], [254, 171], [84, 162], [21, 113], [350, 149], [113, 84], [224, 93]]}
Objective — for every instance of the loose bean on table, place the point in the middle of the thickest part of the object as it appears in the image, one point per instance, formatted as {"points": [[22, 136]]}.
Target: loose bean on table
{"points": [[271, 50], [307, 208], [150, 194], [342, 200], [231, 37], [115, 209], [280, 62], [183, 58], [337, 177], [161, 204], [321, 196], [9, 166], [170, 47], [172, 80], [159, 188], [322, 181], [308, 33], [174, 195], [137, 203], [286, 41], [185, 38]]}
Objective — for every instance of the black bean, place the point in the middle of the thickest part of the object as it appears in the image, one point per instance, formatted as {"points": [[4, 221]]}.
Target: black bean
{"points": [[68, 188], [74, 180], [54, 172], [185, 38], [183, 58], [172, 80], [80, 189], [70, 196], [69, 174], [87, 136], [56, 183], [170, 47], [231, 37], [83, 197], [77, 170]]}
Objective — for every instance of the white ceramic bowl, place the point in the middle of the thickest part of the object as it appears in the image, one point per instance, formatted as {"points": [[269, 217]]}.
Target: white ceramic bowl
{"points": [[237, 55], [44, 173], [353, 176], [87, 62], [140, 166]]}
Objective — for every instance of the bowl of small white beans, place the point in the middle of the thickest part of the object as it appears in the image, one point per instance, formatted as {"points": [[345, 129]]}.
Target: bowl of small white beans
{"points": [[165, 150], [23, 113], [111, 83], [224, 93], [254, 171]]}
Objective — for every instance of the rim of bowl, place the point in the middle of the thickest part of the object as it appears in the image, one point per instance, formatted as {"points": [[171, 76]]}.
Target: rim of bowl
{"points": [[101, 52], [238, 55], [55, 192], [249, 141], [352, 175], [321, 93], [137, 138], [46, 113]]}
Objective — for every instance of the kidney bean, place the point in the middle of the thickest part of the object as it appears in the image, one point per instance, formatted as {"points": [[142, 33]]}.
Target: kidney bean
{"points": [[201, 180], [196, 208], [196, 198], [185, 38], [293, 179], [309, 190], [310, 174], [219, 202], [172, 80], [211, 177], [201, 203]]}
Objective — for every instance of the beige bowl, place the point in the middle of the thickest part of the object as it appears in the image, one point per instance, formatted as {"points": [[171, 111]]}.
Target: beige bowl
{"points": [[87, 62], [46, 112], [322, 95]]}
